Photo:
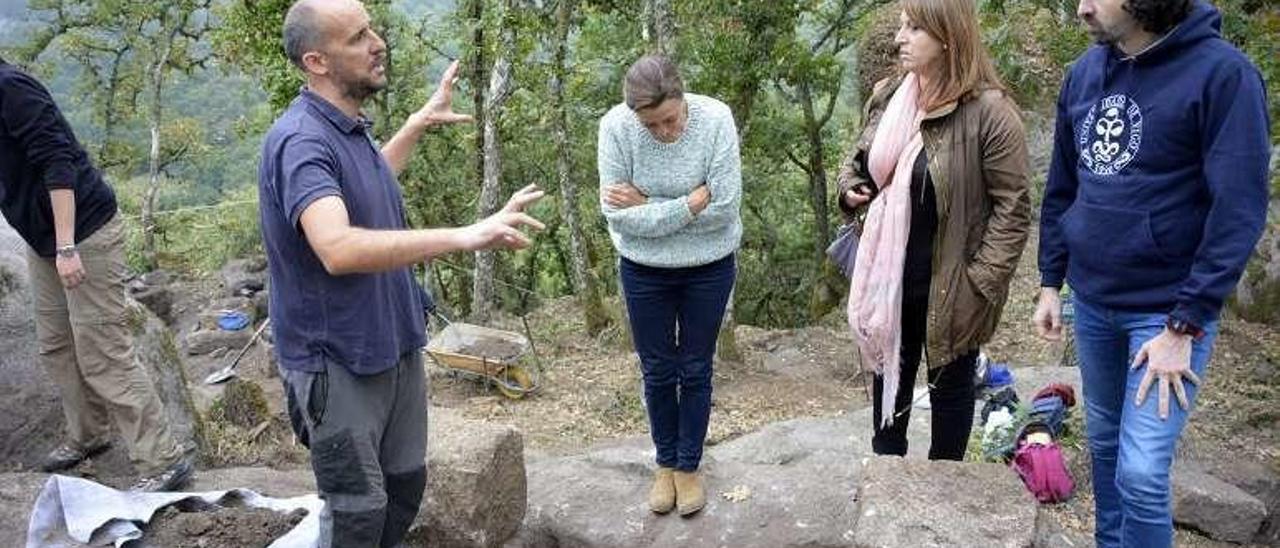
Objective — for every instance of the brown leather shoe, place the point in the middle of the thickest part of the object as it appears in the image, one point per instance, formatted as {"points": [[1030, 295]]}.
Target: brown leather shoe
{"points": [[689, 494], [662, 497]]}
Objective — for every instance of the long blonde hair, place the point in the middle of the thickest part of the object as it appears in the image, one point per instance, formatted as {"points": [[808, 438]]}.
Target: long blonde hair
{"points": [[965, 68]]}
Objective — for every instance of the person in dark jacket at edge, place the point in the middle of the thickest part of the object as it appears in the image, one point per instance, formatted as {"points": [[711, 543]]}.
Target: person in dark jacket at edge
{"points": [[1156, 196], [347, 314], [53, 197]]}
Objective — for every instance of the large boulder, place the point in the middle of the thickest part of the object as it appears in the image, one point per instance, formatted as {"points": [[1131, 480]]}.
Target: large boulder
{"points": [[207, 336], [793, 483], [1257, 296], [1257, 479], [155, 291], [911, 502], [30, 415], [1215, 507], [207, 341], [245, 276], [599, 499], [476, 491], [154, 348]]}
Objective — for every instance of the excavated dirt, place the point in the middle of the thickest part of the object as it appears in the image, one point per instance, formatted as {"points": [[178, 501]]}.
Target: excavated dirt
{"points": [[492, 349], [238, 527]]}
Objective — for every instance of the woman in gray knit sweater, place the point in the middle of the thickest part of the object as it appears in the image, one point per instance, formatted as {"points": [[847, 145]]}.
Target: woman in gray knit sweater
{"points": [[670, 189]]}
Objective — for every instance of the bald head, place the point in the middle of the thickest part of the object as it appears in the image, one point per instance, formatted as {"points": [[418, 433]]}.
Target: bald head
{"points": [[309, 23], [302, 32]]}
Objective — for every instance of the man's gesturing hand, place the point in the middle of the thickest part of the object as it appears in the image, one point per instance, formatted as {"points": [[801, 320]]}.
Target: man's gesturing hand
{"points": [[502, 229], [439, 108]]}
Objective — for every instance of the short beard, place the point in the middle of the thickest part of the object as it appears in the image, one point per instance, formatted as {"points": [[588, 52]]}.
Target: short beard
{"points": [[362, 89], [1103, 38]]}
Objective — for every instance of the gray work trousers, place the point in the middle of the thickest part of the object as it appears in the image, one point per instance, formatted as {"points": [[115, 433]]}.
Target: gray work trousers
{"points": [[368, 440]]}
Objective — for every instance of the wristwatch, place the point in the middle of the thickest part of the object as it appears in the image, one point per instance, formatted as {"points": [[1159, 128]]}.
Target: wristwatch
{"points": [[67, 251], [1183, 327]]}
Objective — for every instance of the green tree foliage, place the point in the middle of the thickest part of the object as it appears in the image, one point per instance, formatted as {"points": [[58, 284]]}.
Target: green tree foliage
{"points": [[1254, 26], [795, 73]]}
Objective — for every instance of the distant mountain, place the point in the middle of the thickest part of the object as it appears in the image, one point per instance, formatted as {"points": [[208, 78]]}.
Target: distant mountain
{"points": [[12, 8], [415, 9], [14, 23]]}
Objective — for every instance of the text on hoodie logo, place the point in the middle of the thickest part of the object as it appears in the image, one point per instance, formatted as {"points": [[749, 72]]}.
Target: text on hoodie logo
{"points": [[1111, 134]]}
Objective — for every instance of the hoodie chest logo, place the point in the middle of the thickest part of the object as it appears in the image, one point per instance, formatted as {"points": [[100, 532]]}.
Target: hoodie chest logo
{"points": [[1111, 135]]}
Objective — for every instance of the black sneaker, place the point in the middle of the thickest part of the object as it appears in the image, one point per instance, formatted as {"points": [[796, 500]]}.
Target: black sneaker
{"points": [[170, 479], [66, 456]]}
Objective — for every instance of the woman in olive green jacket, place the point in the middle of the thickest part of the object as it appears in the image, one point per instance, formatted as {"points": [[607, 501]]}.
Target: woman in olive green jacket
{"points": [[938, 182]]}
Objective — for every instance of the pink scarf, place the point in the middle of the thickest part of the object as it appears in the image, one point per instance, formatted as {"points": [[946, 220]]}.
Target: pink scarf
{"points": [[875, 292]]}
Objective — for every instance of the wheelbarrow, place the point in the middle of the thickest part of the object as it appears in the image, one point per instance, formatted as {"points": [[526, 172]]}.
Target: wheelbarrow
{"points": [[486, 353]]}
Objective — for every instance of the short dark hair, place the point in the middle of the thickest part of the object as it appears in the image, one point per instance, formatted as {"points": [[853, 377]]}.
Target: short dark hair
{"points": [[1158, 16], [651, 80], [302, 32]]}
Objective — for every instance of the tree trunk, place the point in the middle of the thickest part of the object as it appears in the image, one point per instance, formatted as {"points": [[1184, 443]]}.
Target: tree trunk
{"points": [[153, 186], [109, 115], [817, 173], [585, 285], [744, 97], [660, 27], [479, 71], [482, 296]]}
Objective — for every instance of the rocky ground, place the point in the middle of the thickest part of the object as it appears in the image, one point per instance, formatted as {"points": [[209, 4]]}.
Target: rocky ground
{"points": [[591, 389]]}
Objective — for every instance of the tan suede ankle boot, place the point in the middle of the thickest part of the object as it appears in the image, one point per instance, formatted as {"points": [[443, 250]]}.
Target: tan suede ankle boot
{"points": [[689, 494], [662, 497]]}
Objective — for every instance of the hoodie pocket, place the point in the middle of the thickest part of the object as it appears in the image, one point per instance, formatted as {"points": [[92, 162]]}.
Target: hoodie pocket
{"points": [[1113, 250], [1108, 235]]}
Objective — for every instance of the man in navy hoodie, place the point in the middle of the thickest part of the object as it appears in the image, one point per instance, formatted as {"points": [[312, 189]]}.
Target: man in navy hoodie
{"points": [[1156, 197]]}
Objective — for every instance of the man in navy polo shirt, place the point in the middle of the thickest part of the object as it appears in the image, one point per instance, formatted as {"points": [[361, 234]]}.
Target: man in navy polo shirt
{"points": [[347, 315]]}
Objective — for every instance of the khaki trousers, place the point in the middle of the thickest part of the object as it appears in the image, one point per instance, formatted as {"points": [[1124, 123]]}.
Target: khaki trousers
{"points": [[86, 345]]}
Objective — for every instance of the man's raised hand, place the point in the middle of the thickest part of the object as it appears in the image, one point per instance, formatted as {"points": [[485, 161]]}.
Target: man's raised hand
{"points": [[439, 108]]}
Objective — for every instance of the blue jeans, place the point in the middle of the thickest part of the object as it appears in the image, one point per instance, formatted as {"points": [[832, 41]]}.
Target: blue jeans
{"points": [[676, 361], [1132, 448]]}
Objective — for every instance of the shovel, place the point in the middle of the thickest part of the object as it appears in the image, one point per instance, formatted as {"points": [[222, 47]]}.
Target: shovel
{"points": [[226, 373]]}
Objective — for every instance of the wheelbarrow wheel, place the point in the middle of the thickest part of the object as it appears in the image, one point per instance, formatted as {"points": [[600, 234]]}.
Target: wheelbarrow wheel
{"points": [[514, 382]]}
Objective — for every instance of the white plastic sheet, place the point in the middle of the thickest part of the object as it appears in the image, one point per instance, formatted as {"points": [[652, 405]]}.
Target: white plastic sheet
{"points": [[75, 512]]}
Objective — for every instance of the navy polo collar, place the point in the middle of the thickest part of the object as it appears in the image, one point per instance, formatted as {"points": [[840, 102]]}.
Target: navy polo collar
{"points": [[339, 119]]}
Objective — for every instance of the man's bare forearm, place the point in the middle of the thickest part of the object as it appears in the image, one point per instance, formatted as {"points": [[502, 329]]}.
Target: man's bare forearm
{"points": [[361, 250], [400, 148], [63, 201]]}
